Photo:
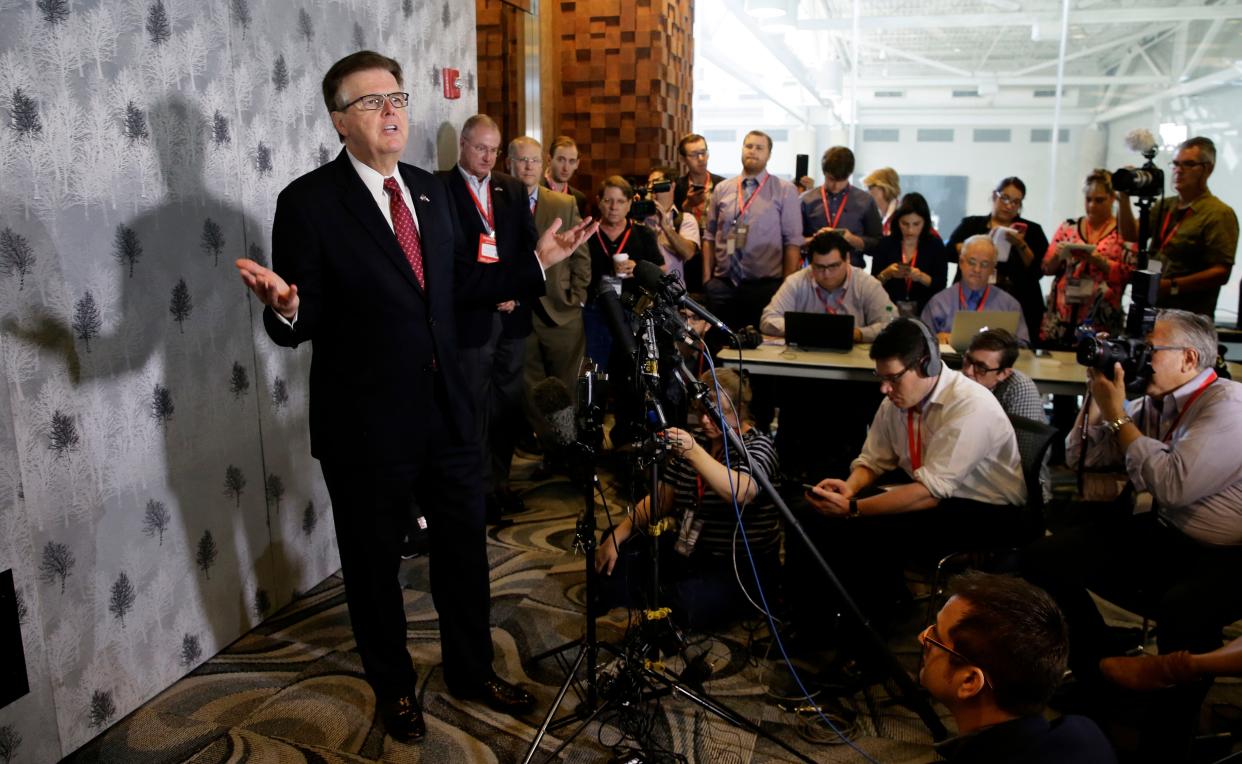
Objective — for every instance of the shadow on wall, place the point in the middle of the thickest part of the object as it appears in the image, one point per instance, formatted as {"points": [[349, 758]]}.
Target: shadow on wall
{"points": [[446, 146]]}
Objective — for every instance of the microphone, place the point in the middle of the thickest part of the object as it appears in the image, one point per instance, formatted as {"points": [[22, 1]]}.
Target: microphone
{"points": [[1141, 140], [651, 279], [556, 407], [610, 306]]}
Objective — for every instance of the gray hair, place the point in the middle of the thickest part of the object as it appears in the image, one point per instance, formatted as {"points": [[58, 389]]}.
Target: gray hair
{"points": [[979, 239], [1207, 149], [1195, 332], [479, 121]]}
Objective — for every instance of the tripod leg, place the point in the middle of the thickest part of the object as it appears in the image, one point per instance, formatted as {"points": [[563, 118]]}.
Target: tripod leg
{"points": [[556, 704]]}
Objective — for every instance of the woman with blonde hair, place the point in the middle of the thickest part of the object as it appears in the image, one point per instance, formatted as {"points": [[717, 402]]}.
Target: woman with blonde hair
{"points": [[884, 185]]}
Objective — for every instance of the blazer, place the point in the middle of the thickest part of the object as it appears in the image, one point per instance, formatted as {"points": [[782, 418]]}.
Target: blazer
{"points": [[579, 198], [566, 290], [515, 240], [384, 350]]}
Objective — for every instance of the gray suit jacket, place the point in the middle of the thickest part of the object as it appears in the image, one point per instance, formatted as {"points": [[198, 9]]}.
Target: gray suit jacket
{"points": [[567, 280]]}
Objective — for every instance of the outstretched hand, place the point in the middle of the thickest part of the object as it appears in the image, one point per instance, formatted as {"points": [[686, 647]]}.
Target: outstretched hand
{"points": [[270, 288], [555, 245]]}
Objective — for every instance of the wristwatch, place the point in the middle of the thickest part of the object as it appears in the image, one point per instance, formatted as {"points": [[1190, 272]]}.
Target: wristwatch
{"points": [[854, 509], [1115, 426], [1173, 286]]}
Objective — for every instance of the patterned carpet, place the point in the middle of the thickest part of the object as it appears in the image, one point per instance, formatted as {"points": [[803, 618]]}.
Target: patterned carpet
{"points": [[292, 690]]}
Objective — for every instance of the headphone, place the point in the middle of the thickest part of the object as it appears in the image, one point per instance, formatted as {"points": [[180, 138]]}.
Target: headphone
{"points": [[931, 365]]}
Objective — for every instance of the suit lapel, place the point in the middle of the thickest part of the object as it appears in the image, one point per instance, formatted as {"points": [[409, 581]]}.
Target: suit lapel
{"points": [[361, 204]]}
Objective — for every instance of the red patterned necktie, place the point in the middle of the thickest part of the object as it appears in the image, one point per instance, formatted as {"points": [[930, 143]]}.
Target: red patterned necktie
{"points": [[403, 227]]}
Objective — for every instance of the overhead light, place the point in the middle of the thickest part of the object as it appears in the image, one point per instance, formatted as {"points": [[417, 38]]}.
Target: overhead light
{"points": [[767, 9]]}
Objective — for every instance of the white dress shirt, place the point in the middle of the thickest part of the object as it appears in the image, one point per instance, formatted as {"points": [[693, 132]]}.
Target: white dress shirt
{"points": [[969, 447], [375, 185]]}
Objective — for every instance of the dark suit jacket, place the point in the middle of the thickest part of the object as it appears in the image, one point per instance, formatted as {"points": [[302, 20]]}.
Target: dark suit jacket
{"points": [[682, 187], [385, 350], [515, 241], [567, 280]]}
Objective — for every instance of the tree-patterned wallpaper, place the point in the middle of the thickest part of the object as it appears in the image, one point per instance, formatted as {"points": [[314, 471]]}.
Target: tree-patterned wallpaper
{"points": [[157, 494]]}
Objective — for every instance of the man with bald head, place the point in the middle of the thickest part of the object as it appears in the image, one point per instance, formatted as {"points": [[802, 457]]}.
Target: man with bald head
{"points": [[976, 291], [557, 341], [495, 216]]}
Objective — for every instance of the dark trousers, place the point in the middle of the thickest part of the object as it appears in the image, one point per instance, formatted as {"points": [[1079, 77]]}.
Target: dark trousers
{"points": [[369, 508], [1190, 589], [702, 590], [869, 554], [739, 305], [494, 373]]}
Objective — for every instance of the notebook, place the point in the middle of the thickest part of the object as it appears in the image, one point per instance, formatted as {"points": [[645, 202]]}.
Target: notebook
{"points": [[819, 331], [968, 323]]}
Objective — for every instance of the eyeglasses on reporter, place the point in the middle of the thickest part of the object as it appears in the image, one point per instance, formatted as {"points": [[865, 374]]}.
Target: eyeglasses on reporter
{"points": [[375, 101]]}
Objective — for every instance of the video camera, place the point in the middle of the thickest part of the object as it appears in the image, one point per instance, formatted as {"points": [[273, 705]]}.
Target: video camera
{"points": [[644, 206], [1131, 349]]}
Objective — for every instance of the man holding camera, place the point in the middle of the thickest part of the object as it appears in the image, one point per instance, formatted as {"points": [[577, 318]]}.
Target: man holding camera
{"points": [[676, 232], [1177, 553], [1194, 234]]}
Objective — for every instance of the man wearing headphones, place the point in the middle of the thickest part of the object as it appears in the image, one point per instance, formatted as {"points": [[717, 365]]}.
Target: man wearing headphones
{"points": [[951, 438]]}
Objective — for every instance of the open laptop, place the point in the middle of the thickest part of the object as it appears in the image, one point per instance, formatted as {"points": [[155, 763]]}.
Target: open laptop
{"points": [[819, 331], [968, 323]]}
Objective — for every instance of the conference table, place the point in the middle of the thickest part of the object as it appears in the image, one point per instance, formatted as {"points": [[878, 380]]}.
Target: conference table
{"points": [[1055, 372]]}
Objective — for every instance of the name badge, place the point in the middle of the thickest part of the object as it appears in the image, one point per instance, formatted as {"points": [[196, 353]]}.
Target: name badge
{"points": [[1078, 290], [487, 249]]}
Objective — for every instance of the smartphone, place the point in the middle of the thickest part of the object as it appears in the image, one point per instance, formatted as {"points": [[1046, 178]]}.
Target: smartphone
{"points": [[1020, 227], [809, 488], [802, 166]]}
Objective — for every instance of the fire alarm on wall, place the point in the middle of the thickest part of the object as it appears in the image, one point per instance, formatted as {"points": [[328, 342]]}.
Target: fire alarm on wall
{"points": [[452, 85]]}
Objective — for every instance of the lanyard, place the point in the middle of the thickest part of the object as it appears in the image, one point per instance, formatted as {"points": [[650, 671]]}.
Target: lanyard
{"points": [[629, 227], [564, 189], [1086, 232], [489, 216], [913, 260], [741, 208], [1189, 402], [961, 298], [823, 195], [916, 449], [698, 481], [837, 304], [1165, 233]]}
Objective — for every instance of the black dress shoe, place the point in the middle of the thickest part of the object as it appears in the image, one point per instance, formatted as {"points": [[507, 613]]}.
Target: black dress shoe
{"points": [[501, 696], [510, 501], [403, 719]]}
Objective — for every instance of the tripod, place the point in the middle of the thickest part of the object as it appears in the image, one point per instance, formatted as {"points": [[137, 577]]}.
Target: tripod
{"points": [[637, 668]]}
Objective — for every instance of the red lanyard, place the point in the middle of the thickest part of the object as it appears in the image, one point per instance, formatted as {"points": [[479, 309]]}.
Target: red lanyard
{"points": [[488, 215], [913, 260], [837, 303], [564, 189], [741, 208], [629, 227], [823, 195], [961, 298], [698, 481], [1189, 402], [916, 449], [1165, 233]]}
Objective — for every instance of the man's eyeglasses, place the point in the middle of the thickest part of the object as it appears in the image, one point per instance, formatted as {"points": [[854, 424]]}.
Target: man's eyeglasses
{"points": [[528, 161], [892, 379], [375, 101], [487, 151], [829, 268], [1186, 164], [977, 367], [697, 154], [983, 265], [926, 640], [1154, 348], [1009, 201]]}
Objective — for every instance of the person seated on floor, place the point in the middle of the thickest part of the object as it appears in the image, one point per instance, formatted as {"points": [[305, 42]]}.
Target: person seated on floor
{"points": [[830, 285], [989, 361], [1146, 672], [977, 264], [1175, 554], [698, 576], [993, 657], [956, 447]]}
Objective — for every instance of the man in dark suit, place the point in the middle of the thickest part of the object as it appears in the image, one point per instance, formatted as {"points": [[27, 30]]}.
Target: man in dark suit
{"points": [[491, 336], [363, 250], [558, 341]]}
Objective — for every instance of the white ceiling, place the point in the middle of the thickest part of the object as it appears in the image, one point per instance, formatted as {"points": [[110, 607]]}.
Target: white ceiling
{"points": [[1119, 55]]}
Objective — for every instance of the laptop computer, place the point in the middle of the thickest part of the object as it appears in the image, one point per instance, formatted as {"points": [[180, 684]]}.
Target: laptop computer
{"points": [[968, 323], [819, 331]]}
